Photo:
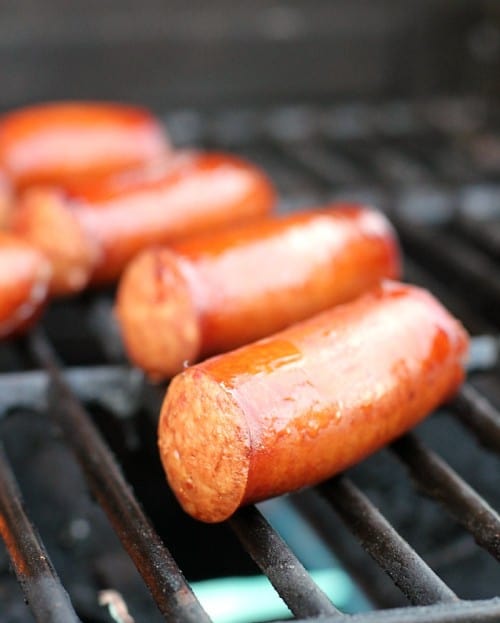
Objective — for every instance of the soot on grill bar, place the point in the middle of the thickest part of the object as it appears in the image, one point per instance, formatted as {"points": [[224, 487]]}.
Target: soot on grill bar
{"points": [[381, 102]]}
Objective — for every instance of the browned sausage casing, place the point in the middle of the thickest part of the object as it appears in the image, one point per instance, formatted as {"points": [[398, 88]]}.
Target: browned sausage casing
{"points": [[210, 294], [308, 402], [90, 231], [24, 282]]}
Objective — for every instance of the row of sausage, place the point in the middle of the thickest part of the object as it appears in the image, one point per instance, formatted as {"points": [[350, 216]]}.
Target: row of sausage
{"points": [[331, 362]]}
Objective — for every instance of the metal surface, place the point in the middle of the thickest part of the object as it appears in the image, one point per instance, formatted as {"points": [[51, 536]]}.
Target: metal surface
{"points": [[116, 388], [487, 611], [41, 586], [403, 565], [465, 264], [478, 414], [193, 54], [279, 564], [159, 570], [435, 478]]}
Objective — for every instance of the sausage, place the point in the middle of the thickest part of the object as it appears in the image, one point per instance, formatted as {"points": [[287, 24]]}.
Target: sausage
{"points": [[42, 218], [296, 408], [24, 283], [6, 200], [212, 293], [56, 142], [90, 231]]}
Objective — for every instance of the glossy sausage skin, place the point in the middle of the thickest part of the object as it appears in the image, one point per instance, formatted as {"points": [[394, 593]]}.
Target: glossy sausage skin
{"points": [[298, 407], [55, 142], [90, 231], [212, 293], [24, 282]]}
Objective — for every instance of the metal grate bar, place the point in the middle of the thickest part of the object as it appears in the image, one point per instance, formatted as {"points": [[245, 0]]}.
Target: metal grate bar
{"points": [[484, 233], [419, 275], [470, 265], [41, 586], [335, 168], [328, 169], [479, 415], [116, 388], [285, 572], [359, 153], [288, 576], [105, 328], [408, 571], [155, 563], [362, 569], [484, 611], [438, 480]]}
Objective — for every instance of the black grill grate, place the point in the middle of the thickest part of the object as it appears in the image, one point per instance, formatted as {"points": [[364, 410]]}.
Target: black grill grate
{"points": [[160, 572], [426, 168]]}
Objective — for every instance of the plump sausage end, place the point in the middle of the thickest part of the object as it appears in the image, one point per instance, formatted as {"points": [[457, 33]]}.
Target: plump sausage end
{"points": [[25, 276], [44, 219], [316, 398], [204, 446], [6, 201], [156, 314]]}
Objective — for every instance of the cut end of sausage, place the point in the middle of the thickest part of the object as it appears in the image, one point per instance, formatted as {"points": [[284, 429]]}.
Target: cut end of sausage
{"points": [[24, 282], [157, 316], [204, 446], [6, 201], [44, 219]]}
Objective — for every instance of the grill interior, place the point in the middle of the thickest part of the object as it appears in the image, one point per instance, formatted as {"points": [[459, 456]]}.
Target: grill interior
{"points": [[70, 405]]}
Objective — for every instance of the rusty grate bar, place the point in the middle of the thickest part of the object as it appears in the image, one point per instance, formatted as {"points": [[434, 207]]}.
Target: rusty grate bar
{"points": [[480, 611], [479, 415], [470, 265], [116, 388], [106, 481], [403, 565], [434, 477], [290, 579], [39, 581]]}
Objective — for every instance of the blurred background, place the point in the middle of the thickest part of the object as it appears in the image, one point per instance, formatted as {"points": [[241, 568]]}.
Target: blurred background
{"points": [[188, 53]]}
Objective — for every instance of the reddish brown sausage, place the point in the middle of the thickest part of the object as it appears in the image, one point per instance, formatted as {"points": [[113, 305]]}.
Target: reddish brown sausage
{"points": [[90, 231], [56, 142], [24, 281], [213, 293], [6, 200], [296, 408]]}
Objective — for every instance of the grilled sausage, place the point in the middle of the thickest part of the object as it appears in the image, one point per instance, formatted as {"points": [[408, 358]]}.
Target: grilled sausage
{"points": [[6, 200], [300, 406], [90, 231], [24, 281], [56, 142], [212, 293], [42, 218]]}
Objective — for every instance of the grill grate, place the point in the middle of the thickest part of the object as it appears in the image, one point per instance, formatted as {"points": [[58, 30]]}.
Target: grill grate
{"points": [[295, 586], [35, 572], [401, 563], [160, 572], [426, 173]]}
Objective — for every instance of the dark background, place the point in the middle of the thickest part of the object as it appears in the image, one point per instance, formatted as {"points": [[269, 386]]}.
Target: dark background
{"points": [[186, 53]]}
